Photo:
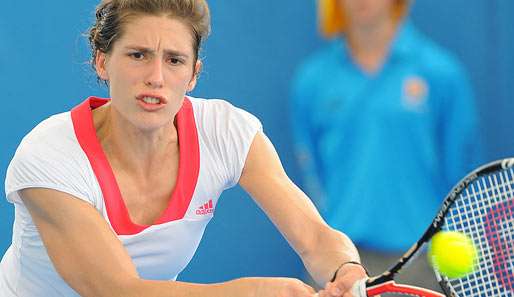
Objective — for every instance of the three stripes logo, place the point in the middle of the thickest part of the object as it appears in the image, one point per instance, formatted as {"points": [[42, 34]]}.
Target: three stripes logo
{"points": [[207, 208]]}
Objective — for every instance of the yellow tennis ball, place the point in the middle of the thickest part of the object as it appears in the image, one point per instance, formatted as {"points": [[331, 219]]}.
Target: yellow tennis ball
{"points": [[452, 254]]}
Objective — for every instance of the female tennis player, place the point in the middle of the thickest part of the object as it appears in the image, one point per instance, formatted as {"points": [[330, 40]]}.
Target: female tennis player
{"points": [[112, 197]]}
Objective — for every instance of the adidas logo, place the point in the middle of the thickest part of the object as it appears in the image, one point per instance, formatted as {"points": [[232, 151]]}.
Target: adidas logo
{"points": [[205, 209]]}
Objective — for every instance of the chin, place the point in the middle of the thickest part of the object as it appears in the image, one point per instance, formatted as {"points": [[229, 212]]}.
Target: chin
{"points": [[149, 123]]}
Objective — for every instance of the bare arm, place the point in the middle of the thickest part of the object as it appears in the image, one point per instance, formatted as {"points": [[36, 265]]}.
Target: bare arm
{"points": [[92, 260], [321, 248]]}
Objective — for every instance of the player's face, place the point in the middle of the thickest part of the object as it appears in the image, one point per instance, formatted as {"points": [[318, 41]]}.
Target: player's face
{"points": [[149, 70], [364, 13]]}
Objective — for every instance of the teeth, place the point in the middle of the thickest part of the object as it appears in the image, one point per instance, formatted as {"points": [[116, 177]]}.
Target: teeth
{"points": [[151, 100]]}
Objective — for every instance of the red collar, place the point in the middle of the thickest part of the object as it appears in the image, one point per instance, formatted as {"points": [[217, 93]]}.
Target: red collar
{"points": [[189, 165]]}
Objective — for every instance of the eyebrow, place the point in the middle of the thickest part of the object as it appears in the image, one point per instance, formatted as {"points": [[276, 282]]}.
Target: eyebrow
{"points": [[146, 50]]}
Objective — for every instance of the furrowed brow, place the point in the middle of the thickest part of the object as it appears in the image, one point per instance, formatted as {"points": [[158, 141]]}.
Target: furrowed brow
{"points": [[174, 53], [169, 52]]}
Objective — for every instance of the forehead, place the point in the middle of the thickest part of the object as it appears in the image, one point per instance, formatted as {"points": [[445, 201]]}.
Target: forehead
{"points": [[157, 31]]}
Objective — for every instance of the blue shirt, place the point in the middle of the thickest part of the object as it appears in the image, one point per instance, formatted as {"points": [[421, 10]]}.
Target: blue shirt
{"points": [[379, 152]]}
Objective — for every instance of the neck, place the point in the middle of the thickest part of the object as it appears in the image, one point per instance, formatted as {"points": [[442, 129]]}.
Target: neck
{"points": [[369, 45], [130, 148]]}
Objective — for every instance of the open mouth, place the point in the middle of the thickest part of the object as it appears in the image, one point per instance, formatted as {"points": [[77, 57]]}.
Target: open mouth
{"points": [[151, 100]]}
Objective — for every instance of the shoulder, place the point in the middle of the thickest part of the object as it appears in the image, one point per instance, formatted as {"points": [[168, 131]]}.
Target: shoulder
{"points": [[49, 156], [317, 72], [211, 104], [434, 58], [318, 62], [52, 138], [225, 134], [221, 113], [56, 127]]}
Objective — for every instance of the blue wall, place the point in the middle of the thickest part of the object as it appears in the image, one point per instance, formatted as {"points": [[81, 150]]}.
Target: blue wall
{"points": [[249, 60]]}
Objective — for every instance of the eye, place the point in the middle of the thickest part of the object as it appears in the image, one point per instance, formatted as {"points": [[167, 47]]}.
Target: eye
{"points": [[137, 55], [174, 61]]}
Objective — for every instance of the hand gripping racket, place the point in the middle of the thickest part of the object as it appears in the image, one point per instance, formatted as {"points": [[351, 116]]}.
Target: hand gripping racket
{"points": [[481, 206]]}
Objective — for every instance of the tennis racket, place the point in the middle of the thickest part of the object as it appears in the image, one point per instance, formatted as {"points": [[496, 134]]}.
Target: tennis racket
{"points": [[481, 206]]}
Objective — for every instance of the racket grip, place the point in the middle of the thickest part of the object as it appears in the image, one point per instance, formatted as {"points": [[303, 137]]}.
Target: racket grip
{"points": [[359, 288]]}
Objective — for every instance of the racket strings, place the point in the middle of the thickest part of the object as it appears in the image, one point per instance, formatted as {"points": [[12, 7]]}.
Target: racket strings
{"points": [[485, 212]]}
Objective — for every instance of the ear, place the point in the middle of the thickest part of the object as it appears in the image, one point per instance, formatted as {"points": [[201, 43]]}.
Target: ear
{"points": [[100, 65], [192, 83]]}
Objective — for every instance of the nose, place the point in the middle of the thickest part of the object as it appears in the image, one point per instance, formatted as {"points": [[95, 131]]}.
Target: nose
{"points": [[155, 75]]}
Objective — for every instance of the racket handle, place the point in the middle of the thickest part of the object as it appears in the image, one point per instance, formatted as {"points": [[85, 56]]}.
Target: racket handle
{"points": [[359, 288]]}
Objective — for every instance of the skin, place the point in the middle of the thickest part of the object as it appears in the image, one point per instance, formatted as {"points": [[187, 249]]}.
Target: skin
{"points": [[155, 56], [371, 28]]}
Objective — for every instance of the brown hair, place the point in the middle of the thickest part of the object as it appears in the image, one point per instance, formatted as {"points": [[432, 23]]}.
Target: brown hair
{"points": [[112, 14]]}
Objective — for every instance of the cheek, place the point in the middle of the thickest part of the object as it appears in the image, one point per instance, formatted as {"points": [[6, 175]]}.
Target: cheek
{"points": [[124, 76], [181, 78]]}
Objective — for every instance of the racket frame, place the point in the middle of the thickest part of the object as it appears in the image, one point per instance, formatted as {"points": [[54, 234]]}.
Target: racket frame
{"points": [[387, 278]]}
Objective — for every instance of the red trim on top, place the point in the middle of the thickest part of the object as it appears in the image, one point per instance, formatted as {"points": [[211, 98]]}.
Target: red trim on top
{"points": [[189, 166]]}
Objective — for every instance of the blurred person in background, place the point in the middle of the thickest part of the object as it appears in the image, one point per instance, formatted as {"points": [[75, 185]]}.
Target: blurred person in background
{"points": [[384, 122]]}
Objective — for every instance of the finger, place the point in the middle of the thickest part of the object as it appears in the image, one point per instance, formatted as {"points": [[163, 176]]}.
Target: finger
{"points": [[334, 290]]}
